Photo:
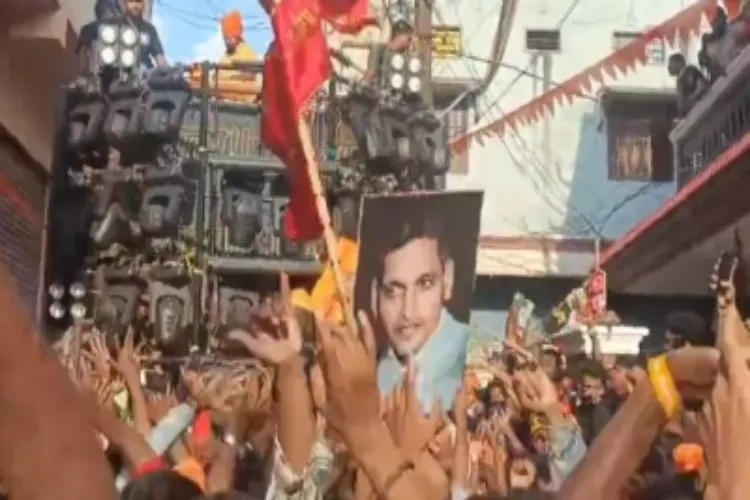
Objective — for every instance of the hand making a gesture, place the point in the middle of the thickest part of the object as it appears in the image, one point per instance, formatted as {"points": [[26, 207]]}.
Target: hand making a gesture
{"points": [[274, 334], [348, 366]]}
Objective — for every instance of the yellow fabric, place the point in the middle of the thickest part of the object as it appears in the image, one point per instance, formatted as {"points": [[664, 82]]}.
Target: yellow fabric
{"points": [[537, 425], [324, 295], [664, 387], [239, 85], [191, 469]]}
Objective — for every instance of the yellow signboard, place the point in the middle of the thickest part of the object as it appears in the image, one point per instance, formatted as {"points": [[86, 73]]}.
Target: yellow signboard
{"points": [[446, 42]]}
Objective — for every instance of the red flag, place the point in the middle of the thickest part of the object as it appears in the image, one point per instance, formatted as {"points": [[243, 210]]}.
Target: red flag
{"points": [[296, 65], [348, 16]]}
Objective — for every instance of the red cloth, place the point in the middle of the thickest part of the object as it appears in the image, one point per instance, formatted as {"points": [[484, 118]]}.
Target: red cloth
{"points": [[202, 427], [154, 465], [732, 8], [297, 65], [348, 16]]}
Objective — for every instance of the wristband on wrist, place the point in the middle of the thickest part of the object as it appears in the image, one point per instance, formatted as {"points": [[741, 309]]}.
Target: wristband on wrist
{"points": [[664, 386]]}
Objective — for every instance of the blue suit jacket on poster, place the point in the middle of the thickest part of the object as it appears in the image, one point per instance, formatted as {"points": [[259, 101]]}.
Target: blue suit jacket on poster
{"points": [[439, 365]]}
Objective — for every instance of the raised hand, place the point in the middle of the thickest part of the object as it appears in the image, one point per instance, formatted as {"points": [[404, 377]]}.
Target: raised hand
{"points": [[522, 474], [97, 354], [214, 389], [535, 390], [275, 335], [410, 428], [129, 358], [727, 413], [257, 400], [348, 366]]}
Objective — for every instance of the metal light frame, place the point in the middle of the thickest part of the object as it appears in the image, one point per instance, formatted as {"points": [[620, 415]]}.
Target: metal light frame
{"points": [[118, 45], [404, 73]]}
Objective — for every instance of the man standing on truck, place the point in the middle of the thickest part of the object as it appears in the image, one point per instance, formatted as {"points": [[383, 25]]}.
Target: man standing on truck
{"points": [[402, 35], [151, 48], [109, 11], [237, 84]]}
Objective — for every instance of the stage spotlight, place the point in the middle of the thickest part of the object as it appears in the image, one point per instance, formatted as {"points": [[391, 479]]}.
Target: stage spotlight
{"points": [[166, 104], [404, 74], [122, 127], [78, 311], [56, 291], [241, 213], [56, 310], [429, 145], [77, 290], [87, 111], [236, 306], [170, 312], [117, 45], [118, 305], [161, 208]]}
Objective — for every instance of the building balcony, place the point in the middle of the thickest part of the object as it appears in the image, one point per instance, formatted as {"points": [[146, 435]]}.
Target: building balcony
{"points": [[716, 123], [672, 252]]}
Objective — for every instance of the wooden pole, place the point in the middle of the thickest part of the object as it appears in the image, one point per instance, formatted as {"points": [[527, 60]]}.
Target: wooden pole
{"points": [[423, 28], [597, 254], [313, 171]]}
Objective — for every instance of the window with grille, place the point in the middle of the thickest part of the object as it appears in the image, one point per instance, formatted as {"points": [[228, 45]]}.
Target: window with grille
{"points": [[543, 40], [656, 49], [639, 149]]}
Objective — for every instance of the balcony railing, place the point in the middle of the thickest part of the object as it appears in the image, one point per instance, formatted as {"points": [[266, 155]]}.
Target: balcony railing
{"points": [[718, 121], [234, 120]]}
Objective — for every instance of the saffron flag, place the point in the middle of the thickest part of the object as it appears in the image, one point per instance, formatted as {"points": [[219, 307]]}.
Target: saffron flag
{"points": [[296, 65]]}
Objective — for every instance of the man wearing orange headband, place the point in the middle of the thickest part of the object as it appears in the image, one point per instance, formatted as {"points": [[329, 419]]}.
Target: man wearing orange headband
{"points": [[237, 85]]}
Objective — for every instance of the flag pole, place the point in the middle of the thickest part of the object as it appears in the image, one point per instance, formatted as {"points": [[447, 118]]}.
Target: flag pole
{"points": [[313, 172]]}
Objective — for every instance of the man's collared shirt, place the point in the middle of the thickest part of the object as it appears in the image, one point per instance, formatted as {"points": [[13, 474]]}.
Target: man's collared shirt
{"points": [[439, 365]]}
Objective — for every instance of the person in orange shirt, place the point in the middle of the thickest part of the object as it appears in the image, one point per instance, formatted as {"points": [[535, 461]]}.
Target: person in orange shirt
{"points": [[237, 85]]}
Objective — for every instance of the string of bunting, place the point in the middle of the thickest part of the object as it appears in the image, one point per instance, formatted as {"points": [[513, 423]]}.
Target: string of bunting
{"points": [[622, 61]]}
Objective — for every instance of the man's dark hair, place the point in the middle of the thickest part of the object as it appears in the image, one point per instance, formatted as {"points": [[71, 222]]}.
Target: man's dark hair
{"points": [[691, 327], [626, 361], [162, 485], [592, 368], [105, 9], [417, 219], [401, 27]]}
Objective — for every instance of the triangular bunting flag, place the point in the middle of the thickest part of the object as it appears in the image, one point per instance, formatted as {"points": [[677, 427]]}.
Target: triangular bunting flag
{"points": [[623, 61], [584, 84], [596, 76], [609, 69]]}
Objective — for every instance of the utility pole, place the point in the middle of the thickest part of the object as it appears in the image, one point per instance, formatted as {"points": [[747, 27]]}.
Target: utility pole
{"points": [[423, 30]]}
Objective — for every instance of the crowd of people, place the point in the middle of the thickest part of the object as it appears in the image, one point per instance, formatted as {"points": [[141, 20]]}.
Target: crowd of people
{"points": [[302, 418], [313, 408]]}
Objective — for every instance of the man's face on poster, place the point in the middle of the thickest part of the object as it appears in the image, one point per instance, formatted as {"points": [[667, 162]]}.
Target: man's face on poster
{"points": [[409, 297]]}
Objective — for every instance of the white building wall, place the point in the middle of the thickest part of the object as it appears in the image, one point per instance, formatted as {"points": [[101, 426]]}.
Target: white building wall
{"points": [[550, 179]]}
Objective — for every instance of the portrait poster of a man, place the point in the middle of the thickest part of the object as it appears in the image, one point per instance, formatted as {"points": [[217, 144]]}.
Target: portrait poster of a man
{"points": [[415, 280]]}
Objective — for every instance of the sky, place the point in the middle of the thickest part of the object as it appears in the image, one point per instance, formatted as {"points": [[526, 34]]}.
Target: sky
{"points": [[190, 31]]}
